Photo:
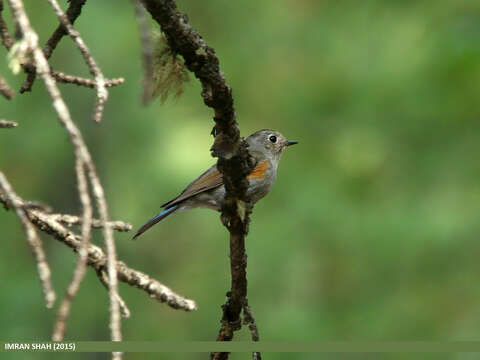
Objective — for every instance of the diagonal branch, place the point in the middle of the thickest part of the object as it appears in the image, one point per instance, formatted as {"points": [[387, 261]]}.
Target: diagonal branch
{"points": [[97, 259], [51, 225], [73, 12]]}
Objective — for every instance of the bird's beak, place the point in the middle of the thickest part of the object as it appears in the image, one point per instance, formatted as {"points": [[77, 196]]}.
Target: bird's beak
{"points": [[290, 142]]}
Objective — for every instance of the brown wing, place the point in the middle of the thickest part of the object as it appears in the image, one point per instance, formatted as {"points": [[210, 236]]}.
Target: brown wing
{"points": [[210, 179]]}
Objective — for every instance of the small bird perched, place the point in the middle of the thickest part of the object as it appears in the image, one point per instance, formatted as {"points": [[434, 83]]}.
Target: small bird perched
{"points": [[208, 191]]}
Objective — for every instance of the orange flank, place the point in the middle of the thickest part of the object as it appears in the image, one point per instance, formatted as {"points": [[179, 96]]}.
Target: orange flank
{"points": [[260, 171]]}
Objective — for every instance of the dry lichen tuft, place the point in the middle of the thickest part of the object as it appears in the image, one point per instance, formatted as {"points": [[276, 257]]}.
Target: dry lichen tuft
{"points": [[169, 71]]}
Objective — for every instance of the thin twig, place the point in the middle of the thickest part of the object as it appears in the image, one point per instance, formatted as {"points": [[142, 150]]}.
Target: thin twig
{"points": [[98, 193], [77, 80], [5, 89], [102, 93], [103, 277], [49, 224], [249, 320], [81, 152], [38, 206], [33, 241], [81, 266], [75, 220], [97, 259], [7, 124], [73, 12], [147, 52]]}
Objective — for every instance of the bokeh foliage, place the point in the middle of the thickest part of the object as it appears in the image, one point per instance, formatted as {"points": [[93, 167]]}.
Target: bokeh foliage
{"points": [[371, 231]]}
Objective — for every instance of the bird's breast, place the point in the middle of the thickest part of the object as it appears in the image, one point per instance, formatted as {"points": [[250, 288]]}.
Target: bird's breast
{"points": [[261, 180]]}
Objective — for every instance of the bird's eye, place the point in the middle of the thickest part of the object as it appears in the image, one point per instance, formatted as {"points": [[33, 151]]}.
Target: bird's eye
{"points": [[273, 139]]}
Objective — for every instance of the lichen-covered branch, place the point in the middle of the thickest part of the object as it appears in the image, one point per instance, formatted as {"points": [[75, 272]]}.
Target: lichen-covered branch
{"points": [[234, 160]]}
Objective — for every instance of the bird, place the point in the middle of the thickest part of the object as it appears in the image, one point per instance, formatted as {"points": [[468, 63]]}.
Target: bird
{"points": [[208, 191]]}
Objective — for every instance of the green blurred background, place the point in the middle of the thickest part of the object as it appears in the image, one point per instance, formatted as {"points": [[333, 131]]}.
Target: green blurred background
{"points": [[371, 231]]}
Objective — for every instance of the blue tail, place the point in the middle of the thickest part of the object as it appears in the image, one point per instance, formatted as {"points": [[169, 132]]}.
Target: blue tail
{"points": [[155, 220]]}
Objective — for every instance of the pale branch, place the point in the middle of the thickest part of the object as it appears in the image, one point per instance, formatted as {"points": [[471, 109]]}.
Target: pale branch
{"points": [[147, 52], [70, 220], [97, 259], [30, 37], [234, 161], [7, 124], [11, 199], [5, 89], [82, 259], [73, 12], [103, 277], [77, 80], [156, 289], [102, 93]]}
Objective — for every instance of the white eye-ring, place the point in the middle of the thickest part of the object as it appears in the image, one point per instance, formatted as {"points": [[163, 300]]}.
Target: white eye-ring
{"points": [[272, 138]]}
